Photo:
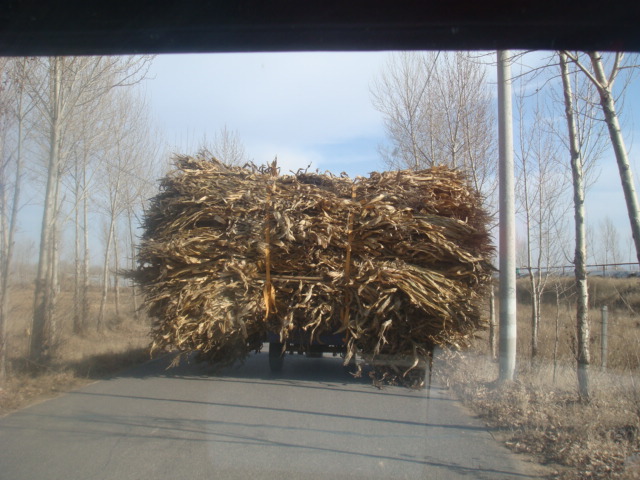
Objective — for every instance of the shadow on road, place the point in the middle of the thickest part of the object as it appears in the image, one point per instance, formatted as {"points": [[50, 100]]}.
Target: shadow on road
{"points": [[200, 430], [299, 371], [265, 409], [312, 411]]}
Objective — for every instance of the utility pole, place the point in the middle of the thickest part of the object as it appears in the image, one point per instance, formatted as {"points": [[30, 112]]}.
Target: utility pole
{"points": [[507, 244]]}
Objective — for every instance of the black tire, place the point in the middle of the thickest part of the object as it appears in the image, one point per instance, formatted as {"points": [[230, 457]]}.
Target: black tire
{"points": [[276, 356]]}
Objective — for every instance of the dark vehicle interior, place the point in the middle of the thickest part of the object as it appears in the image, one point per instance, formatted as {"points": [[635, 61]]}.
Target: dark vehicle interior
{"points": [[144, 26]]}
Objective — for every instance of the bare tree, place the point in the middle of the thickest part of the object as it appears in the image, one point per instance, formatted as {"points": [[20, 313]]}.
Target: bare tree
{"points": [[123, 178], [582, 317], [585, 144], [591, 240], [609, 242], [591, 138], [226, 147], [437, 110], [112, 175], [541, 198], [14, 109], [7, 220], [604, 83], [140, 186], [45, 291], [91, 133], [401, 94], [63, 87]]}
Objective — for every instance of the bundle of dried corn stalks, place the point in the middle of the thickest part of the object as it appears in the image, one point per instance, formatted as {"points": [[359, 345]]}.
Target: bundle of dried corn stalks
{"points": [[396, 262]]}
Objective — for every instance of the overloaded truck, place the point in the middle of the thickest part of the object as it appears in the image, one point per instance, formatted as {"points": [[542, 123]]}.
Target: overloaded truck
{"points": [[383, 266]]}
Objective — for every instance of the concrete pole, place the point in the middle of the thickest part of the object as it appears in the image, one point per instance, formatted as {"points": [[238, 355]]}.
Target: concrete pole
{"points": [[507, 244]]}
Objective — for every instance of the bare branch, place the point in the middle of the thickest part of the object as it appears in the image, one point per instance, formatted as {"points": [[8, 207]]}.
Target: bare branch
{"points": [[585, 70], [437, 110], [615, 68]]}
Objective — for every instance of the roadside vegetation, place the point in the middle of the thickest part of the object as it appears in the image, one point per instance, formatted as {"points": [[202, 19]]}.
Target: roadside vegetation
{"points": [[78, 359], [540, 412]]}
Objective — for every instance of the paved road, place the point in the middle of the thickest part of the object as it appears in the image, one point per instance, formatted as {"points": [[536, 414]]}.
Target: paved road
{"points": [[310, 422]]}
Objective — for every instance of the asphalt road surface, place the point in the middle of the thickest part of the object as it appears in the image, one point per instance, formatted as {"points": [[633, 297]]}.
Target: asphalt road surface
{"points": [[311, 421]]}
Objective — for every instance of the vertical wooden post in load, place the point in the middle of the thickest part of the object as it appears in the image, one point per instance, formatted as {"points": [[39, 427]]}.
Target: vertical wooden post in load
{"points": [[347, 263], [269, 293]]}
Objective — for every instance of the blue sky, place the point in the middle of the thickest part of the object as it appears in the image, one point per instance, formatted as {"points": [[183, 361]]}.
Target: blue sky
{"points": [[305, 108]]}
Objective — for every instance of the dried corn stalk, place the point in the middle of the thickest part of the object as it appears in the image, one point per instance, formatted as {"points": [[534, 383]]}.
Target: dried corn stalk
{"points": [[396, 261]]}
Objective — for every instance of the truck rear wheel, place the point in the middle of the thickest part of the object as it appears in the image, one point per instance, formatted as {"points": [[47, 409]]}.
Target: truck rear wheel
{"points": [[276, 356]]}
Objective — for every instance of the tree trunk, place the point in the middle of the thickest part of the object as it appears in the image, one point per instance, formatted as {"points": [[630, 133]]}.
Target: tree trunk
{"points": [[87, 254], [105, 277], [538, 282], [9, 231], [582, 318], [77, 294], [44, 288], [531, 276], [4, 276], [54, 280], [556, 339], [626, 175], [4, 309], [535, 307], [535, 315], [116, 267], [132, 240]]}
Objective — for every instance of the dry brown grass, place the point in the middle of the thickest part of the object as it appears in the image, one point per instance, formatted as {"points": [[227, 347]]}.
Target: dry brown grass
{"points": [[540, 414], [77, 359], [536, 416]]}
